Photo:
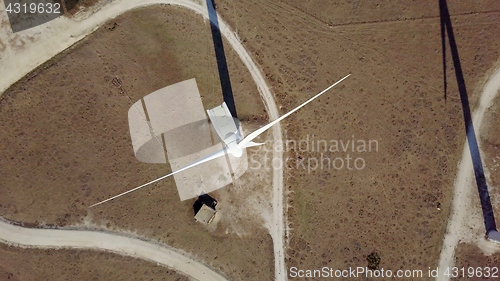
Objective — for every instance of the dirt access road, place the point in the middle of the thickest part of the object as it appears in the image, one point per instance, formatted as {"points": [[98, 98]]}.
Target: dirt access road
{"points": [[134, 247], [457, 225], [52, 38]]}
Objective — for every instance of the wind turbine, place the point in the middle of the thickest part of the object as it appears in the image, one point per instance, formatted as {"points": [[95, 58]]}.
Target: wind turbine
{"points": [[233, 142]]}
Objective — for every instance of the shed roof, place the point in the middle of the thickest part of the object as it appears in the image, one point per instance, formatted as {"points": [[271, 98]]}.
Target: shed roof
{"points": [[205, 214]]}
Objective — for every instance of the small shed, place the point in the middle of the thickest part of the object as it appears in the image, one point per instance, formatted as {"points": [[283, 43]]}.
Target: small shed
{"points": [[204, 209]]}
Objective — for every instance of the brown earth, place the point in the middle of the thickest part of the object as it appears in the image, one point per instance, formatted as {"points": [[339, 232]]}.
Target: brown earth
{"points": [[398, 205], [35, 264], [65, 140], [468, 256], [346, 12], [338, 217]]}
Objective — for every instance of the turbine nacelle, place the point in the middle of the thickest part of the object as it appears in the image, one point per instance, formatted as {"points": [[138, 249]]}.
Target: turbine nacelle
{"points": [[235, 149]]}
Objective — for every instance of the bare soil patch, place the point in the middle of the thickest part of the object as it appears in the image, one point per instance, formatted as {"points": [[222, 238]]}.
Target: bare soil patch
{"points": [[33, 264], [65, 142], [399, 204]]}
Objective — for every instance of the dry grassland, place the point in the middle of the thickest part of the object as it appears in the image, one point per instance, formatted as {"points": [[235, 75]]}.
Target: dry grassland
{"points": [[65, 141], [398, 205], [18, 264], [344, 12], [468, 255]]}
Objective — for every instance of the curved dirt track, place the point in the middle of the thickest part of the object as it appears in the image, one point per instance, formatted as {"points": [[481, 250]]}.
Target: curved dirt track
{"points": [[465, 180], [53, 238], [63, 33]]}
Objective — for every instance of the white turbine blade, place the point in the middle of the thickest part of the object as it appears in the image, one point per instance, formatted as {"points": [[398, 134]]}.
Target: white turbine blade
{"points": [[252, 144], [256, 133], [203, 160]]}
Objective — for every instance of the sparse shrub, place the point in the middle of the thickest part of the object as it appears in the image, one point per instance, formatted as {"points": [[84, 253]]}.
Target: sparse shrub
{"points": [[373, 260]]}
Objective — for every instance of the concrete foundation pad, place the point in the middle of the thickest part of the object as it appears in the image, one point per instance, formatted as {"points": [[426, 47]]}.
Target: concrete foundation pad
{"points": [[173, 120]]}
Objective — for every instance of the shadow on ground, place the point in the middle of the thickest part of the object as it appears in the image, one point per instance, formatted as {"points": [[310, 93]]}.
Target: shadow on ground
{"points": [[482, 187], [225, 81]]}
